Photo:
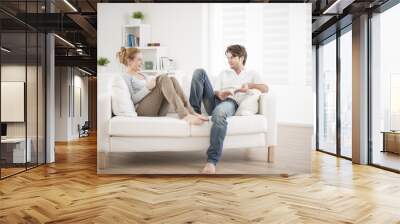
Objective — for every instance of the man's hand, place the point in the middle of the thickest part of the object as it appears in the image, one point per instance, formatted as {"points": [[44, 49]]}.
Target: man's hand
{"points": [[243, 89], [151, 83], [222, 95], [262, 87]]}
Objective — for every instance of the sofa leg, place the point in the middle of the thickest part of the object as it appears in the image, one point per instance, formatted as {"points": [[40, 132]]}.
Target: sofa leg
{"points": [[102, 160], [247, 153], [271, 154]]}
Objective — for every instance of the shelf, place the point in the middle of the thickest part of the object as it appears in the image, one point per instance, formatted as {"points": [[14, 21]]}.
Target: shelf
{"points": [[140, 31], [136, 26], [158, 71], [153, 54], [149, 48], [152, 48]]}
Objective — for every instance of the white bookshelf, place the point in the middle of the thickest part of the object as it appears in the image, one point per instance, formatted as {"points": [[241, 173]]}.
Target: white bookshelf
{"points": [[143, 31], [159, 71], [152, 54]]}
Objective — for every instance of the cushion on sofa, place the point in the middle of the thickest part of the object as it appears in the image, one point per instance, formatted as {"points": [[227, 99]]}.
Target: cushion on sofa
{"points": [[149, 126], [237, 125], [171, 126], [152, 144], [248, 102], [121, 102]]}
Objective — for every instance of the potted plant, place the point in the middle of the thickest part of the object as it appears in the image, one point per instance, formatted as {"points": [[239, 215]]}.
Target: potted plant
{"points": [[102, 62], [136, 18]]}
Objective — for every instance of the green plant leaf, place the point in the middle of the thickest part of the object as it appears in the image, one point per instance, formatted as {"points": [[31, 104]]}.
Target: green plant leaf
{"points": [[137, 15], [102, 61]]}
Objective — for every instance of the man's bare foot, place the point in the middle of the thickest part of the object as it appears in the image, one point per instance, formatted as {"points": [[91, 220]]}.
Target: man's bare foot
{"points": [[209, 168], [202, 117], [192, 119]]}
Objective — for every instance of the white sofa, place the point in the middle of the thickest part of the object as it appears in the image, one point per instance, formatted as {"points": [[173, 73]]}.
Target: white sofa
{"points": [[149, 134]]}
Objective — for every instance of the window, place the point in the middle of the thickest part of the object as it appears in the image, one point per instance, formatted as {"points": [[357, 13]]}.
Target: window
{"points": [[385, 88], [276, 34], [277, 38], [327, 96], [346, 94], [395, 101], [22, 64], [333, 137]]}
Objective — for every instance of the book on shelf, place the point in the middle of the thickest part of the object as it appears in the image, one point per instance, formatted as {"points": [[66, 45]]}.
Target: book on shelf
{"points": [[129, 40], [132, 40], [137, 39], [153, 44]]}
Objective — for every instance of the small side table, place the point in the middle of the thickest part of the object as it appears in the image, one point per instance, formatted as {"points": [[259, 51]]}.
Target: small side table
{"points": [[391, 141]]}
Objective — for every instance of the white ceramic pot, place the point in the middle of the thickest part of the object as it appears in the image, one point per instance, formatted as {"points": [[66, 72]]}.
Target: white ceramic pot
{"points": [[135, 22], [101, 69]]}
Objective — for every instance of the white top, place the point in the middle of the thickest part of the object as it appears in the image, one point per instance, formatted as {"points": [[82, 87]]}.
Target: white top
{"points": [[228, 79], [137, 87]]}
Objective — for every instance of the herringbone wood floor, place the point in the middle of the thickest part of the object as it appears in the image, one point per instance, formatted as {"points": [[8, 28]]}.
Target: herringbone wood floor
{"points": [[70, 191]]}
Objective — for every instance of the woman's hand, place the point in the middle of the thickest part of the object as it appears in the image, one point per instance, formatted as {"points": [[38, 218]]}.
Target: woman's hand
{"points": [[151, 83]]}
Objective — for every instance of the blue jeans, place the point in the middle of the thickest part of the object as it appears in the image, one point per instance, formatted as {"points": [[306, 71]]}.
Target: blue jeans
{"points": [[201, 90]]}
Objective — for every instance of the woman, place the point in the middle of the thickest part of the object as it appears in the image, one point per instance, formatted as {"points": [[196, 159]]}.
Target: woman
{"points": [[153, 96]]}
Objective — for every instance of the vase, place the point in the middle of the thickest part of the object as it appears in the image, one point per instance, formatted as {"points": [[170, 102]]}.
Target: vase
{"points": [[135, 22], [101, 69]]}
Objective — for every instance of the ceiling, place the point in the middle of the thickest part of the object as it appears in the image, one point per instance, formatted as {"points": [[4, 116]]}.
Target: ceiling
{"points": [[76, 22]]}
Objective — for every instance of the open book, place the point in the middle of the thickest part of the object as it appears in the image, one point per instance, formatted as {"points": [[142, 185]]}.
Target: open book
{"points": [[233, 89], [240, 96]]}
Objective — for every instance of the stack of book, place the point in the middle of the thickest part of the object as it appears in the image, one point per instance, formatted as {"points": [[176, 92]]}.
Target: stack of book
{"points": [[153, 44], [132, 40]]}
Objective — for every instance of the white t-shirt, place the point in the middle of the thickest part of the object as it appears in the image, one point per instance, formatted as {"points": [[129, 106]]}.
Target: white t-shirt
{"points": [[229, 80]]}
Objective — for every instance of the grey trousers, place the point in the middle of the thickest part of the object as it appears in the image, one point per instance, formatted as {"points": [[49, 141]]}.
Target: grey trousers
{"points": [[166, 93]]}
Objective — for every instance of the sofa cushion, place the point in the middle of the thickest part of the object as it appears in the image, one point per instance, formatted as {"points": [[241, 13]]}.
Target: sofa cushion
{"points": [[149, 126], [237, 125], [121, 102], [151, 144], [248, 102]]}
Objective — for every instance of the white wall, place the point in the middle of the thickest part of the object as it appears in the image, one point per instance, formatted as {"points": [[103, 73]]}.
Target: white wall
{"points": [[66, 121], [61, 104], [180, 27], [17, 73], [33, 127], [80, 82]]}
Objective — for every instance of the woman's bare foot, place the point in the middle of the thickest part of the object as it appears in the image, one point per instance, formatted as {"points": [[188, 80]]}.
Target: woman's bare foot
{"points": [[209, 168], [192, 119], [202, 117]]}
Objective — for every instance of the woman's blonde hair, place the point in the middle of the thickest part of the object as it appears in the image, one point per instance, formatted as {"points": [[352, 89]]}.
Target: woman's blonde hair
{"points": [[127, 53]]}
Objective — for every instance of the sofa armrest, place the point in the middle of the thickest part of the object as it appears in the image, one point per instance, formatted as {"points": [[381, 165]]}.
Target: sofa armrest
{"points": [[267, 107], [104, 114]]}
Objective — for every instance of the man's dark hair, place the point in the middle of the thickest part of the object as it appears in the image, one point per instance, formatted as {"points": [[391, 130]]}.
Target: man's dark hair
{"points": [[237, 51]]}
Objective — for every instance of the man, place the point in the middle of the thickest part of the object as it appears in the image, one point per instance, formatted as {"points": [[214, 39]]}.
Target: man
{"points": [[219, 101]]}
